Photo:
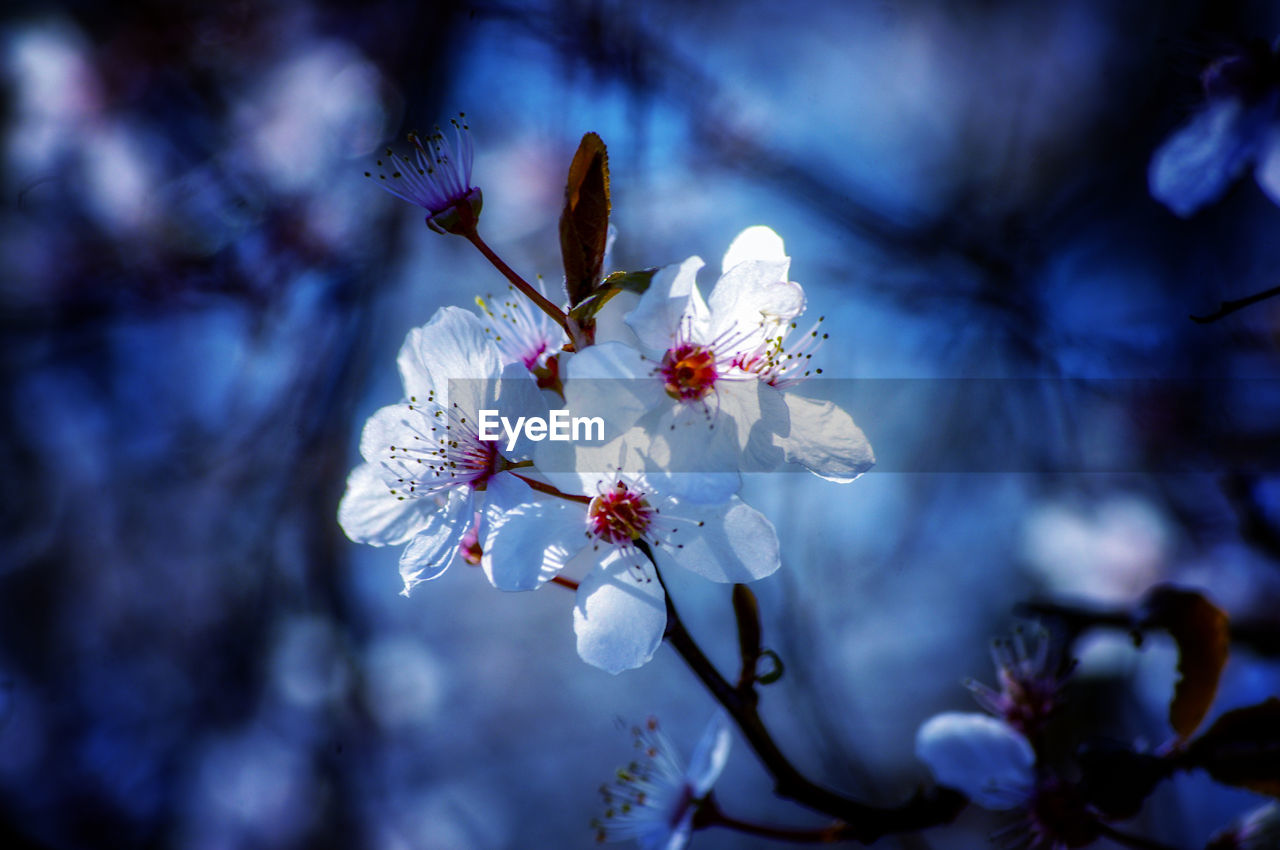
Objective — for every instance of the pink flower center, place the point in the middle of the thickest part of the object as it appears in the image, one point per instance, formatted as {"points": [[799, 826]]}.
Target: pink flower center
{"points": [[619, 515], [689, 371]]}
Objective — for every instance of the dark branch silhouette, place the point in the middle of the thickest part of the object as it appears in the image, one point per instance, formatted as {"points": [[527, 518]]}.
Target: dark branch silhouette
{"points": [[1226, 308]]}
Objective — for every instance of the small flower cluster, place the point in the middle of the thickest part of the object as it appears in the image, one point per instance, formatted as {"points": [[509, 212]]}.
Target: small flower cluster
{"points": [[693, 391], [994, 758]]}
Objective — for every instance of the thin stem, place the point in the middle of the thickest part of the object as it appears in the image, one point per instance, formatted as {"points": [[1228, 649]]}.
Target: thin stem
{"points": [[564, 582], [1226, 308], [864, 822], [473, 236], [711, 815], [544, 487]]}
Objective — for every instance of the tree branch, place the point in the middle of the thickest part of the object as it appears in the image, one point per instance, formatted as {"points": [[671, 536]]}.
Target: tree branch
{"points": [[1226, 308], [864, 823], [472, 235], [1262, 636]]}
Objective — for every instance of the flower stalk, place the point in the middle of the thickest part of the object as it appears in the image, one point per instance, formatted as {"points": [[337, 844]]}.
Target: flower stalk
{"points": [[467, 229]]}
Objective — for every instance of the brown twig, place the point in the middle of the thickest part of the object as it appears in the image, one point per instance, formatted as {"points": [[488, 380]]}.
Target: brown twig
{"points": [[864, 823], [563, 581], [544, 487], [1226, 308], [469, 231]]}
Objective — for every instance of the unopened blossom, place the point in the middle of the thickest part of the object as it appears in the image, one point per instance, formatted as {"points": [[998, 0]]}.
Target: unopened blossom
{"points": [[426, 472], [653, 799], [1237, 128], [604, 526], [710, 379], [436, 175]]}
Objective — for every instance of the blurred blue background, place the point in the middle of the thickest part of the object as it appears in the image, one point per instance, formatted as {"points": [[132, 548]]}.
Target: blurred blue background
{"points": [[202, 298]]}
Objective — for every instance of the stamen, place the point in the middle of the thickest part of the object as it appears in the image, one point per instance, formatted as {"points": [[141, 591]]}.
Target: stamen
{"points": [[436, 175], [781, 366], [445, 451], [620, 515], [522, 333], [689, 372]]}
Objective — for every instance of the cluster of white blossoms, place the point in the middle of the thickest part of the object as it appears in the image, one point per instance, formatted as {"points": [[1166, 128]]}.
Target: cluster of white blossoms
{"points": [[693, 392]]}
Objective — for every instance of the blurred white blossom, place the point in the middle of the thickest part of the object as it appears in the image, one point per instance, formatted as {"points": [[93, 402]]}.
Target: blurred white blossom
{"points": [[984, 758], [1109, 553]]}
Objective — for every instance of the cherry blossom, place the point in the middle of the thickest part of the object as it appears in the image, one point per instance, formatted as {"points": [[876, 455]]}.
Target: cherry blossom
{"points": [[435, 176], [607, 528], [654, 798], [426, 472], [710, 379]]}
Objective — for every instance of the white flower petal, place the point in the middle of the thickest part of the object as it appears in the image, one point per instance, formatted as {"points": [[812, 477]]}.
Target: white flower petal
{"points": [[710, 755], [981, 756], [585, 469], [670, 295], [751, 300], [824, 439], [527, 539], [668, 837], [615, 381], [696, 488], [451, 347], [518, 396], [693, 458], [606, 361], [431, 550], [760, 414], [387, 427], [370, 513], [620, 614], [733, 543], [754, 243], [698, 450], [1196, 163], [610, 322], [1268, 170]]}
